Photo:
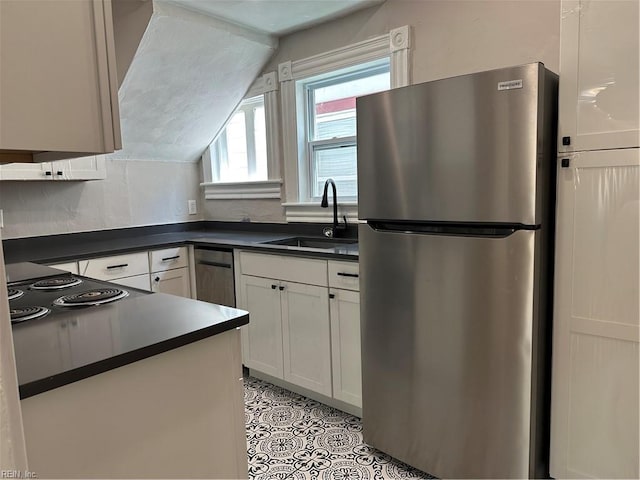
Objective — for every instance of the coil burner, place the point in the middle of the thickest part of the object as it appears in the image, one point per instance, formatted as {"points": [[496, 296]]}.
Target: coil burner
{"points": [[98, 296], [14, 293], [27, 313], [57, 283]]}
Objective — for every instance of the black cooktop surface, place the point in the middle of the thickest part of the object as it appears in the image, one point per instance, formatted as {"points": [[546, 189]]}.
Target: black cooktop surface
{"points": [[63, 294]]}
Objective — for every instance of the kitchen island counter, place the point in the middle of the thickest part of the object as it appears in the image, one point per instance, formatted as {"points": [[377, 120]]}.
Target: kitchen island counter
{"points": [[70, 346], [158, 377]]}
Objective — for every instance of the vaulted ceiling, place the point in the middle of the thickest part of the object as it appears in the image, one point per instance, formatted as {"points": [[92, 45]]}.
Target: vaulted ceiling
{"points": [[184, 70]]}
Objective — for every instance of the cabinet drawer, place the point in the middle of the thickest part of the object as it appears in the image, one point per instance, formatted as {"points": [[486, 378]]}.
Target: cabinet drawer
{"points": [[168, 259], [294, 269], [344, 275], [118, 266]]}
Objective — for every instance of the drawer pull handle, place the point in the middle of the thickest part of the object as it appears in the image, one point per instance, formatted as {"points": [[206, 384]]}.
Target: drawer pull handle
{"points": [[117, 266], [273, 287], [332, 295], [166, 259], [352, 275], [214, 264], [281, 288]]}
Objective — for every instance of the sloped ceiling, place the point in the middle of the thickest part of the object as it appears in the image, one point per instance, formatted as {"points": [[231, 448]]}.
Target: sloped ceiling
{"points": [[188, 73], [278, 17], [184, 65]]}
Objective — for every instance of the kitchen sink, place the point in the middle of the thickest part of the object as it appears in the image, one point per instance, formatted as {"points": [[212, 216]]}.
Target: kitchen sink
{"points": [[313, 242]]}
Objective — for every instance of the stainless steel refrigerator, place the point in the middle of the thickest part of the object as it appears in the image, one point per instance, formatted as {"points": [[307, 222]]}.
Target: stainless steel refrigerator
{"points": [[456, 201]]}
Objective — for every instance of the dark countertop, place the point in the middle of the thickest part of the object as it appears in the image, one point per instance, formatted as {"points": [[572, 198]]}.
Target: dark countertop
{"points": [[67, 247], [17, 272], [60, 349]]}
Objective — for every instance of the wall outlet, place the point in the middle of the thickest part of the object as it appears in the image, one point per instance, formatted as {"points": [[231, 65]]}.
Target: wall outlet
{"points": [[193, 207]]}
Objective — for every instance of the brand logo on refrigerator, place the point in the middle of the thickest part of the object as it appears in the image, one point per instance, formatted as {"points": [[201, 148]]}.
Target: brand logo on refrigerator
{"points": [[510, 85]]}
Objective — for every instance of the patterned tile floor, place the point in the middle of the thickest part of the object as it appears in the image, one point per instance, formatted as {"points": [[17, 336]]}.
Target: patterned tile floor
{"points": [[293, 437]]}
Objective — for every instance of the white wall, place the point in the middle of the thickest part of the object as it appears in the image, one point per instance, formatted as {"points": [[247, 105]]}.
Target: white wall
{"points": [[134, 193], [450, 37]]}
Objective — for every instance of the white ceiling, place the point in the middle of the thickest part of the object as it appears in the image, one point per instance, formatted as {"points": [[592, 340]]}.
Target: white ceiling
{"points": [[276, 17]]}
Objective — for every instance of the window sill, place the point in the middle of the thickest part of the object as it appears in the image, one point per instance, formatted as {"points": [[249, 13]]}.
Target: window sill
{"points": [[242, 190], [312, 212]]}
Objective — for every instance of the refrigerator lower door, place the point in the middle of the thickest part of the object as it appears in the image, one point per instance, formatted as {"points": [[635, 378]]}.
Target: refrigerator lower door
{"points": [[447, 333]]}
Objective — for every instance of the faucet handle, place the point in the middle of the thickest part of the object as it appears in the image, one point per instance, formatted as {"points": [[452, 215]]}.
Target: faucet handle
{"points": [[327, 232]]}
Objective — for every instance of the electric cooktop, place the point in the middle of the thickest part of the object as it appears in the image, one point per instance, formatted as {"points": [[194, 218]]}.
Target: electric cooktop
{"points": [[38, 298]]}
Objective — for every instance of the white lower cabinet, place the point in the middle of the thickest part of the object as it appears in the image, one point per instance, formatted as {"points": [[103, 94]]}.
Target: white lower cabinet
{"points": [[137, 281], [71, 267], [345, 346], [262, 338], [288, 336], [173, 282], [166, 270], [306, 334]]}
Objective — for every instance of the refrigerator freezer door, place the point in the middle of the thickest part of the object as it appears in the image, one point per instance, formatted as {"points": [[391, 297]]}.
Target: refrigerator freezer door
{"points": [[462, 149], [447, 331]]}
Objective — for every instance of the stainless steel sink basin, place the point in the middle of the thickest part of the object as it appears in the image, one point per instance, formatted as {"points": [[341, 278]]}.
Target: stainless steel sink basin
{"points": [[313, 242]]}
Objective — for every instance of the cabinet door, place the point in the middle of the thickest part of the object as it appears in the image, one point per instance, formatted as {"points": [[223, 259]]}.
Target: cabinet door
{"points": [[345, 346], [261, 298], [598, 105], [58, 85], [306, 336], [594, 411], [71, 267], [137, 281], [83, 168], [173, 282], [26, 171]]}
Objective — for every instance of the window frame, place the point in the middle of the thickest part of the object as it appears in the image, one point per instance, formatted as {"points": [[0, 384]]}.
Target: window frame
{"points": [[220, 147], [267, 86], [395, 45], [308, 87]]}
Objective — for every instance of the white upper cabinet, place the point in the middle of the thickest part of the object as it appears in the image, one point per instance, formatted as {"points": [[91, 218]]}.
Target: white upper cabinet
{"points": [[598, 105], [83, 168], [58, 83]]}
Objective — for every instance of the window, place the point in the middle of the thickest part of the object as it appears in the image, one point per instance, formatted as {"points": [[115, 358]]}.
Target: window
{"points": [[244, 159], [240, 152], [330, 118], [318, 118]]}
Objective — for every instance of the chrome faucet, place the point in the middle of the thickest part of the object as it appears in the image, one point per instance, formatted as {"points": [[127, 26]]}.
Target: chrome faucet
{"points": [[332, 231]]}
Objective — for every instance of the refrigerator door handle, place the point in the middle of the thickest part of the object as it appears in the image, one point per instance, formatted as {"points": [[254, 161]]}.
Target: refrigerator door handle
{"points": [[451, 229]]}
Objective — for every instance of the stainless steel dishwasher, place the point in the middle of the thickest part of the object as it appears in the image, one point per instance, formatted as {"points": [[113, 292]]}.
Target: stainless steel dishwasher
{"points": [[214, 276]]}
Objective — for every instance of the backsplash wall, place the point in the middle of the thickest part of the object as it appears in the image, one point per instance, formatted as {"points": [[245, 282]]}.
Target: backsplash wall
{"points": [[134, 193]]}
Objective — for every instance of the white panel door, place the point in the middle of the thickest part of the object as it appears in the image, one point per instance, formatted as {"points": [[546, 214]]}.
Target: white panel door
{"points": [[598, 102], [173, 282], [306, 336], [261, 298], [137, 281], [594, 415], [71, 267], [345, 346]]}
